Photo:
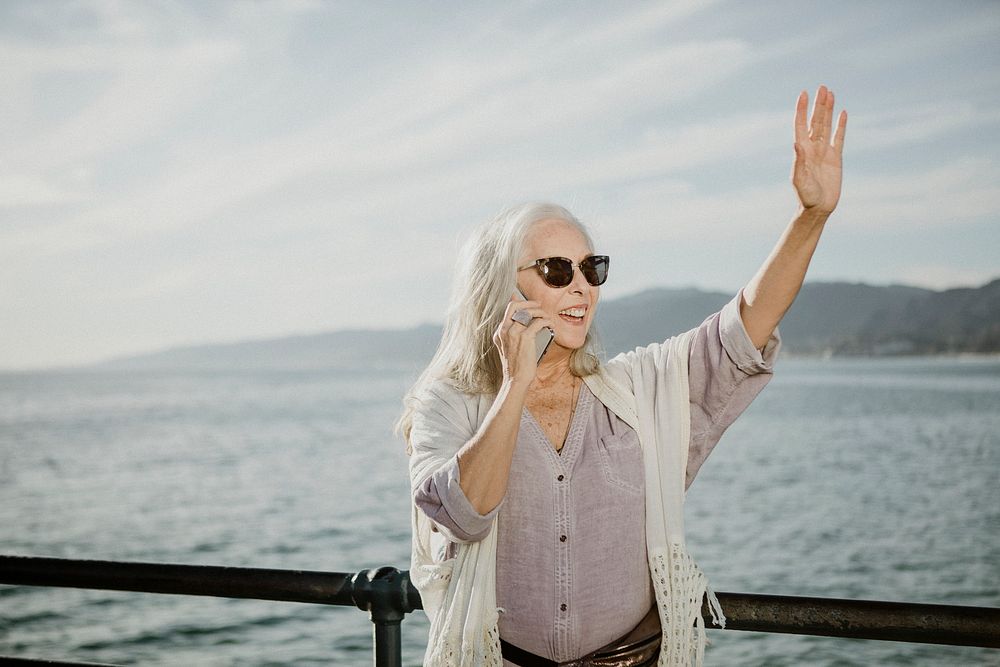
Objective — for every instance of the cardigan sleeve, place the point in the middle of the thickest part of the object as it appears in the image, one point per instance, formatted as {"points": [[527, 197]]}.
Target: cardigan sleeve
{"points": [[443, 422], [442, 499], [725, 373]]}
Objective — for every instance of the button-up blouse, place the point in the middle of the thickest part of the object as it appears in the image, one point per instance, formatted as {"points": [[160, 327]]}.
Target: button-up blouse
{"points": [[572, 573]]}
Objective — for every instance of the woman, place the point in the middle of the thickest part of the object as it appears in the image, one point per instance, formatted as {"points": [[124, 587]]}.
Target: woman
{"points": [[548, 493]]}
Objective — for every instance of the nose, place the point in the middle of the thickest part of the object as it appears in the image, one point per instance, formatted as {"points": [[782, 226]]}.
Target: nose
{"points": [[579, 284]]}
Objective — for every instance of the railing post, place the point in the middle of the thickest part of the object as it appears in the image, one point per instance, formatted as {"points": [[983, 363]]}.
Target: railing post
{"points": [[384, 593]]}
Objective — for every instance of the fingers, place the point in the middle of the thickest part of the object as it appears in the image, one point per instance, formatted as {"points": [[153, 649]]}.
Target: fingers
{"points": [[536, 326], [521, 317], [801, 131], [531, 320], [521, 304], [838, 138], [515, 338], [799, 164], [522, 312], [817, 124]]}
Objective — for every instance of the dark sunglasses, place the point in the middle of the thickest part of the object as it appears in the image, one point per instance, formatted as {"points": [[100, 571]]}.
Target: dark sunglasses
{"points": [[558, 271]]}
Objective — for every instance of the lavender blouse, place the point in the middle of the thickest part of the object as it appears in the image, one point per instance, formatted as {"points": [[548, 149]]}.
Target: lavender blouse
{"points": [[572, 573]]}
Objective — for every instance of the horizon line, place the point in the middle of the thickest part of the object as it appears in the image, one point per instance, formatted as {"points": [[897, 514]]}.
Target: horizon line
{"points": [[287, 336]]}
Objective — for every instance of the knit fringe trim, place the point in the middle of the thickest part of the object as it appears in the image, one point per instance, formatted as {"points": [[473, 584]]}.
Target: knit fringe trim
{"points": [[680, 587], [449, 654]]}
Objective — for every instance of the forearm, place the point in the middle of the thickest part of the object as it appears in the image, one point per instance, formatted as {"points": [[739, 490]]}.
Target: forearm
{"points": [[770, 293], [484, 462]]}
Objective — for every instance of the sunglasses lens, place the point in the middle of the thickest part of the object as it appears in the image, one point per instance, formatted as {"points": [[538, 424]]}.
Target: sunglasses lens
{"points": [[557, 272], [595, 269]]}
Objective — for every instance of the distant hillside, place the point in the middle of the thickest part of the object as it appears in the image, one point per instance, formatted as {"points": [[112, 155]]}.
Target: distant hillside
{"points": [[653, 315], [347, 350], [955, 320], [827, 318]]}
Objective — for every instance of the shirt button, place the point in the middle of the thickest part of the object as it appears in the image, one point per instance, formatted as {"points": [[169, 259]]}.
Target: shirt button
{"points": [[562, 538], [562, 607], [561, 477]]}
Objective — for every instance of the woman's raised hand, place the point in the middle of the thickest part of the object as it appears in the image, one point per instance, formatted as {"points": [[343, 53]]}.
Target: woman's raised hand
{"points": [[816, 172], [516, 341]]}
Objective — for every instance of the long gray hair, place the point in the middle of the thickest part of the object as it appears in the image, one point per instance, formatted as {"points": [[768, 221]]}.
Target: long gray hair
{"points": [[485, 279]]}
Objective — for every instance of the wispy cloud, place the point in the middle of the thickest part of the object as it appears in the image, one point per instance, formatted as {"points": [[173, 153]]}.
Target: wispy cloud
{"points": [[901, 45], [448, 121], [920, 124], [162, 160], [945, 276], [925, 196]]}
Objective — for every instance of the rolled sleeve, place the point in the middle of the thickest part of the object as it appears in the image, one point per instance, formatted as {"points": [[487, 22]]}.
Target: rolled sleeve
{"points": [[441, 498], [725, 373], [736, 341]]}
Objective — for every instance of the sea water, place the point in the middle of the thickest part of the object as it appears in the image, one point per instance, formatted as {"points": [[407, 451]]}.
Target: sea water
{"points": [[857, 478]]}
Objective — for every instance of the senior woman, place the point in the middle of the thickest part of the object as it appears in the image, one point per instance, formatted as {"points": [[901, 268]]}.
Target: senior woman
{"points": [[548, 493]]}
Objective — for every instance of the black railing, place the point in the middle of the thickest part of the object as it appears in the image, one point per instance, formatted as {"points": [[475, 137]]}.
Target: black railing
{"points": [[388, 595]]}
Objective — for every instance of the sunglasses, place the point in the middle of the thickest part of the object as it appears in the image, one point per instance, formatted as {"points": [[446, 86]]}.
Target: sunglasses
{"points": [[558, 271]]}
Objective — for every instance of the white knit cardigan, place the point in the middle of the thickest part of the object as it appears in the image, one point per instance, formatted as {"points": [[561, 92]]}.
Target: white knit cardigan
{"points": [[648, 390]]}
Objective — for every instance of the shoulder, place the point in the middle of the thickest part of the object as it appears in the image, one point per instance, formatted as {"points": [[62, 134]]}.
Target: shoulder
{"points": [[615, 392], [630, 368], [442, 390], [440, 401]]}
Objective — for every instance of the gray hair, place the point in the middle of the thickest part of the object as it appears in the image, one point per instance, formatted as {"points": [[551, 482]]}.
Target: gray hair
{"points": [[485, 278]]}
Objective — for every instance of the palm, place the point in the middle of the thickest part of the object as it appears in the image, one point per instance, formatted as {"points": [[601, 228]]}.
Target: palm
{"points": [[816, 172]]}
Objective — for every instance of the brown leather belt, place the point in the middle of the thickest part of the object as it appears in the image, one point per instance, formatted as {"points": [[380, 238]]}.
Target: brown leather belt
{"points": [[639, 648]]}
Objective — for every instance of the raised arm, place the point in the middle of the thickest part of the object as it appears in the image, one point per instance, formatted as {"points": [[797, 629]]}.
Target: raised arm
{"points": [[816, 175]]}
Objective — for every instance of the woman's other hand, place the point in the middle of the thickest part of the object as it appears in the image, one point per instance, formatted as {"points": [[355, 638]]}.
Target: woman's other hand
{"points": [[816, 175], [817, 170], [516, 341]]}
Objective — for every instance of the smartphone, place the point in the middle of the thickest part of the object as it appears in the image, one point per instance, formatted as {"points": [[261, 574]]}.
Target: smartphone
{"points": [[544, 337]]}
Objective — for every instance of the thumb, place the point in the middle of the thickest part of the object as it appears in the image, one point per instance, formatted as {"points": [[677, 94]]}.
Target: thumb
{"points": [[799, 164]]}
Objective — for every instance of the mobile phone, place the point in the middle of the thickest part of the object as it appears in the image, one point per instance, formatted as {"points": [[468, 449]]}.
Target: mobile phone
{"points": [[544, 337]]}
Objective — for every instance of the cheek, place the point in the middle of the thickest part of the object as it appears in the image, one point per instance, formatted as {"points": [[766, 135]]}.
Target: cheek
{"points": [[551, 304]]}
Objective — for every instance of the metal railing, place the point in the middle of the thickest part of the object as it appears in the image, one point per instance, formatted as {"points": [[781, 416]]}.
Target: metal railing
{"points": [[387, 595]]}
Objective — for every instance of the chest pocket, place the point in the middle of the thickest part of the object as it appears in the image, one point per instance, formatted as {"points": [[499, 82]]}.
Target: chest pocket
{"points": [[621, 458]]}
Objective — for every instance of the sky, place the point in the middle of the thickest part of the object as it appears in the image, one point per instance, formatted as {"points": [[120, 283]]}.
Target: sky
{"points": [[176, 173]]}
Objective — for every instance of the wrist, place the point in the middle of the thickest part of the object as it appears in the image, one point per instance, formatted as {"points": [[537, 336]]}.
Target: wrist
{"points": [[513, 387], [812, 216]]}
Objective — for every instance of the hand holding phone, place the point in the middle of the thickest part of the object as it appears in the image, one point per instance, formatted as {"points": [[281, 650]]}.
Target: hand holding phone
{"points": [[544, 337]]}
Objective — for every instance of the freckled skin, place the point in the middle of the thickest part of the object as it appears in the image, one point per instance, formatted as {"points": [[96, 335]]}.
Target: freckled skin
{"points": [[549, 390], [552, 396]]}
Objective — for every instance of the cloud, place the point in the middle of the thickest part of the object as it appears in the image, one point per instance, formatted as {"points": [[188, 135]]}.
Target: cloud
{"points": [[434, 131], [945, 276], [148, 90], [193, 159], [962, 190], [27, 190], [917, 124], [640, 23], [898, 48]]}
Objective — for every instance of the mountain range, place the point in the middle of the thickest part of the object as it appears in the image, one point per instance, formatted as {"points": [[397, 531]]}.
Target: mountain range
{"points": [[828, 319]]}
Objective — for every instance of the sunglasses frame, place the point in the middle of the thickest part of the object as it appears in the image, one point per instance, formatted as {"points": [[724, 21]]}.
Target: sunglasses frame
{"points": [[539, 264]]}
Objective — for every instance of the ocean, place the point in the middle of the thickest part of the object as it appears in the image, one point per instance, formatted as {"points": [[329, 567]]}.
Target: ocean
{"points": [[855, 478]]}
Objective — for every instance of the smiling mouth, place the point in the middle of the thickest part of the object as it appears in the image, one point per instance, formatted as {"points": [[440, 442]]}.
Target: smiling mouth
{"points": [[573, 315]]}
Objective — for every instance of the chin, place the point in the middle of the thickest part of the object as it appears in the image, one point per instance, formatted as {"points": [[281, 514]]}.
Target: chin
{"points": [[571, 342]]}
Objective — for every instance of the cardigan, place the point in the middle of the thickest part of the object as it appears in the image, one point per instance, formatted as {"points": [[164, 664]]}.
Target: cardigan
{"points": [[648, 389], [550, 515]]}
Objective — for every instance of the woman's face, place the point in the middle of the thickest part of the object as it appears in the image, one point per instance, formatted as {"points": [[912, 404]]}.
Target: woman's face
{"points": [[570, 307]]}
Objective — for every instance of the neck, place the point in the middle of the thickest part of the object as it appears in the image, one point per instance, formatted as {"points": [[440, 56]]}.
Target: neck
{"points": [[553, 366]]}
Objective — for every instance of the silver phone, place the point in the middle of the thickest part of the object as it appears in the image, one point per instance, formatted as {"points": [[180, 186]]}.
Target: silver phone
{"points": [[544, 337]]}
